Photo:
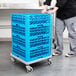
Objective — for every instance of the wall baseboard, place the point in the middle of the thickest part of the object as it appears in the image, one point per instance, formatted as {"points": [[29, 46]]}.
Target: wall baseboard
{"points": [[5, 39]]}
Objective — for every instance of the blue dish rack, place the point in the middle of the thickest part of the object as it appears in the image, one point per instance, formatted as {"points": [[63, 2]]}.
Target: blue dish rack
{"points": [[31, 37]]}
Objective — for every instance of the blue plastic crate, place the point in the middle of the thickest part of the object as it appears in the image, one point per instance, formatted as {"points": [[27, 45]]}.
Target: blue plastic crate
{"points": [[31, 36]]}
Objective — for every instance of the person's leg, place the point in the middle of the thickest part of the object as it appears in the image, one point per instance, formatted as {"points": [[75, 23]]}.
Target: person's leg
{"points": [[60, 26], [71, 26]]}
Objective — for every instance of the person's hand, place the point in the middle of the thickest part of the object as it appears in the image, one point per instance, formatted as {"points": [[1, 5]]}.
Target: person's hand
{"points": [[44, 11], [53, 11]]}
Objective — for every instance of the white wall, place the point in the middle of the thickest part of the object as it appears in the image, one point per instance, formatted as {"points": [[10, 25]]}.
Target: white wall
{"points": [[53, 3], [65, 34], [19, 3]]}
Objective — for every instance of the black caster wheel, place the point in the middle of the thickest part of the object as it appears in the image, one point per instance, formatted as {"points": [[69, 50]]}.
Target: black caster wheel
{"points": [[29, 69], [13, 59], [49, 61]]}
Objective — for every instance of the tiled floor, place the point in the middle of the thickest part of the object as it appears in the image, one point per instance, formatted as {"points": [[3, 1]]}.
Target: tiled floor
{"points": [[60, 66]]}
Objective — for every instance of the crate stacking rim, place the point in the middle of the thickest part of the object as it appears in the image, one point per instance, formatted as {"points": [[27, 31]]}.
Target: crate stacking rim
{"points": [[31, 36]]}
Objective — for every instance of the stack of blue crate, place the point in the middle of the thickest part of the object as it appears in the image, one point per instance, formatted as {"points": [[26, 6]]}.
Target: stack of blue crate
{"points": [[31, 36]]}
